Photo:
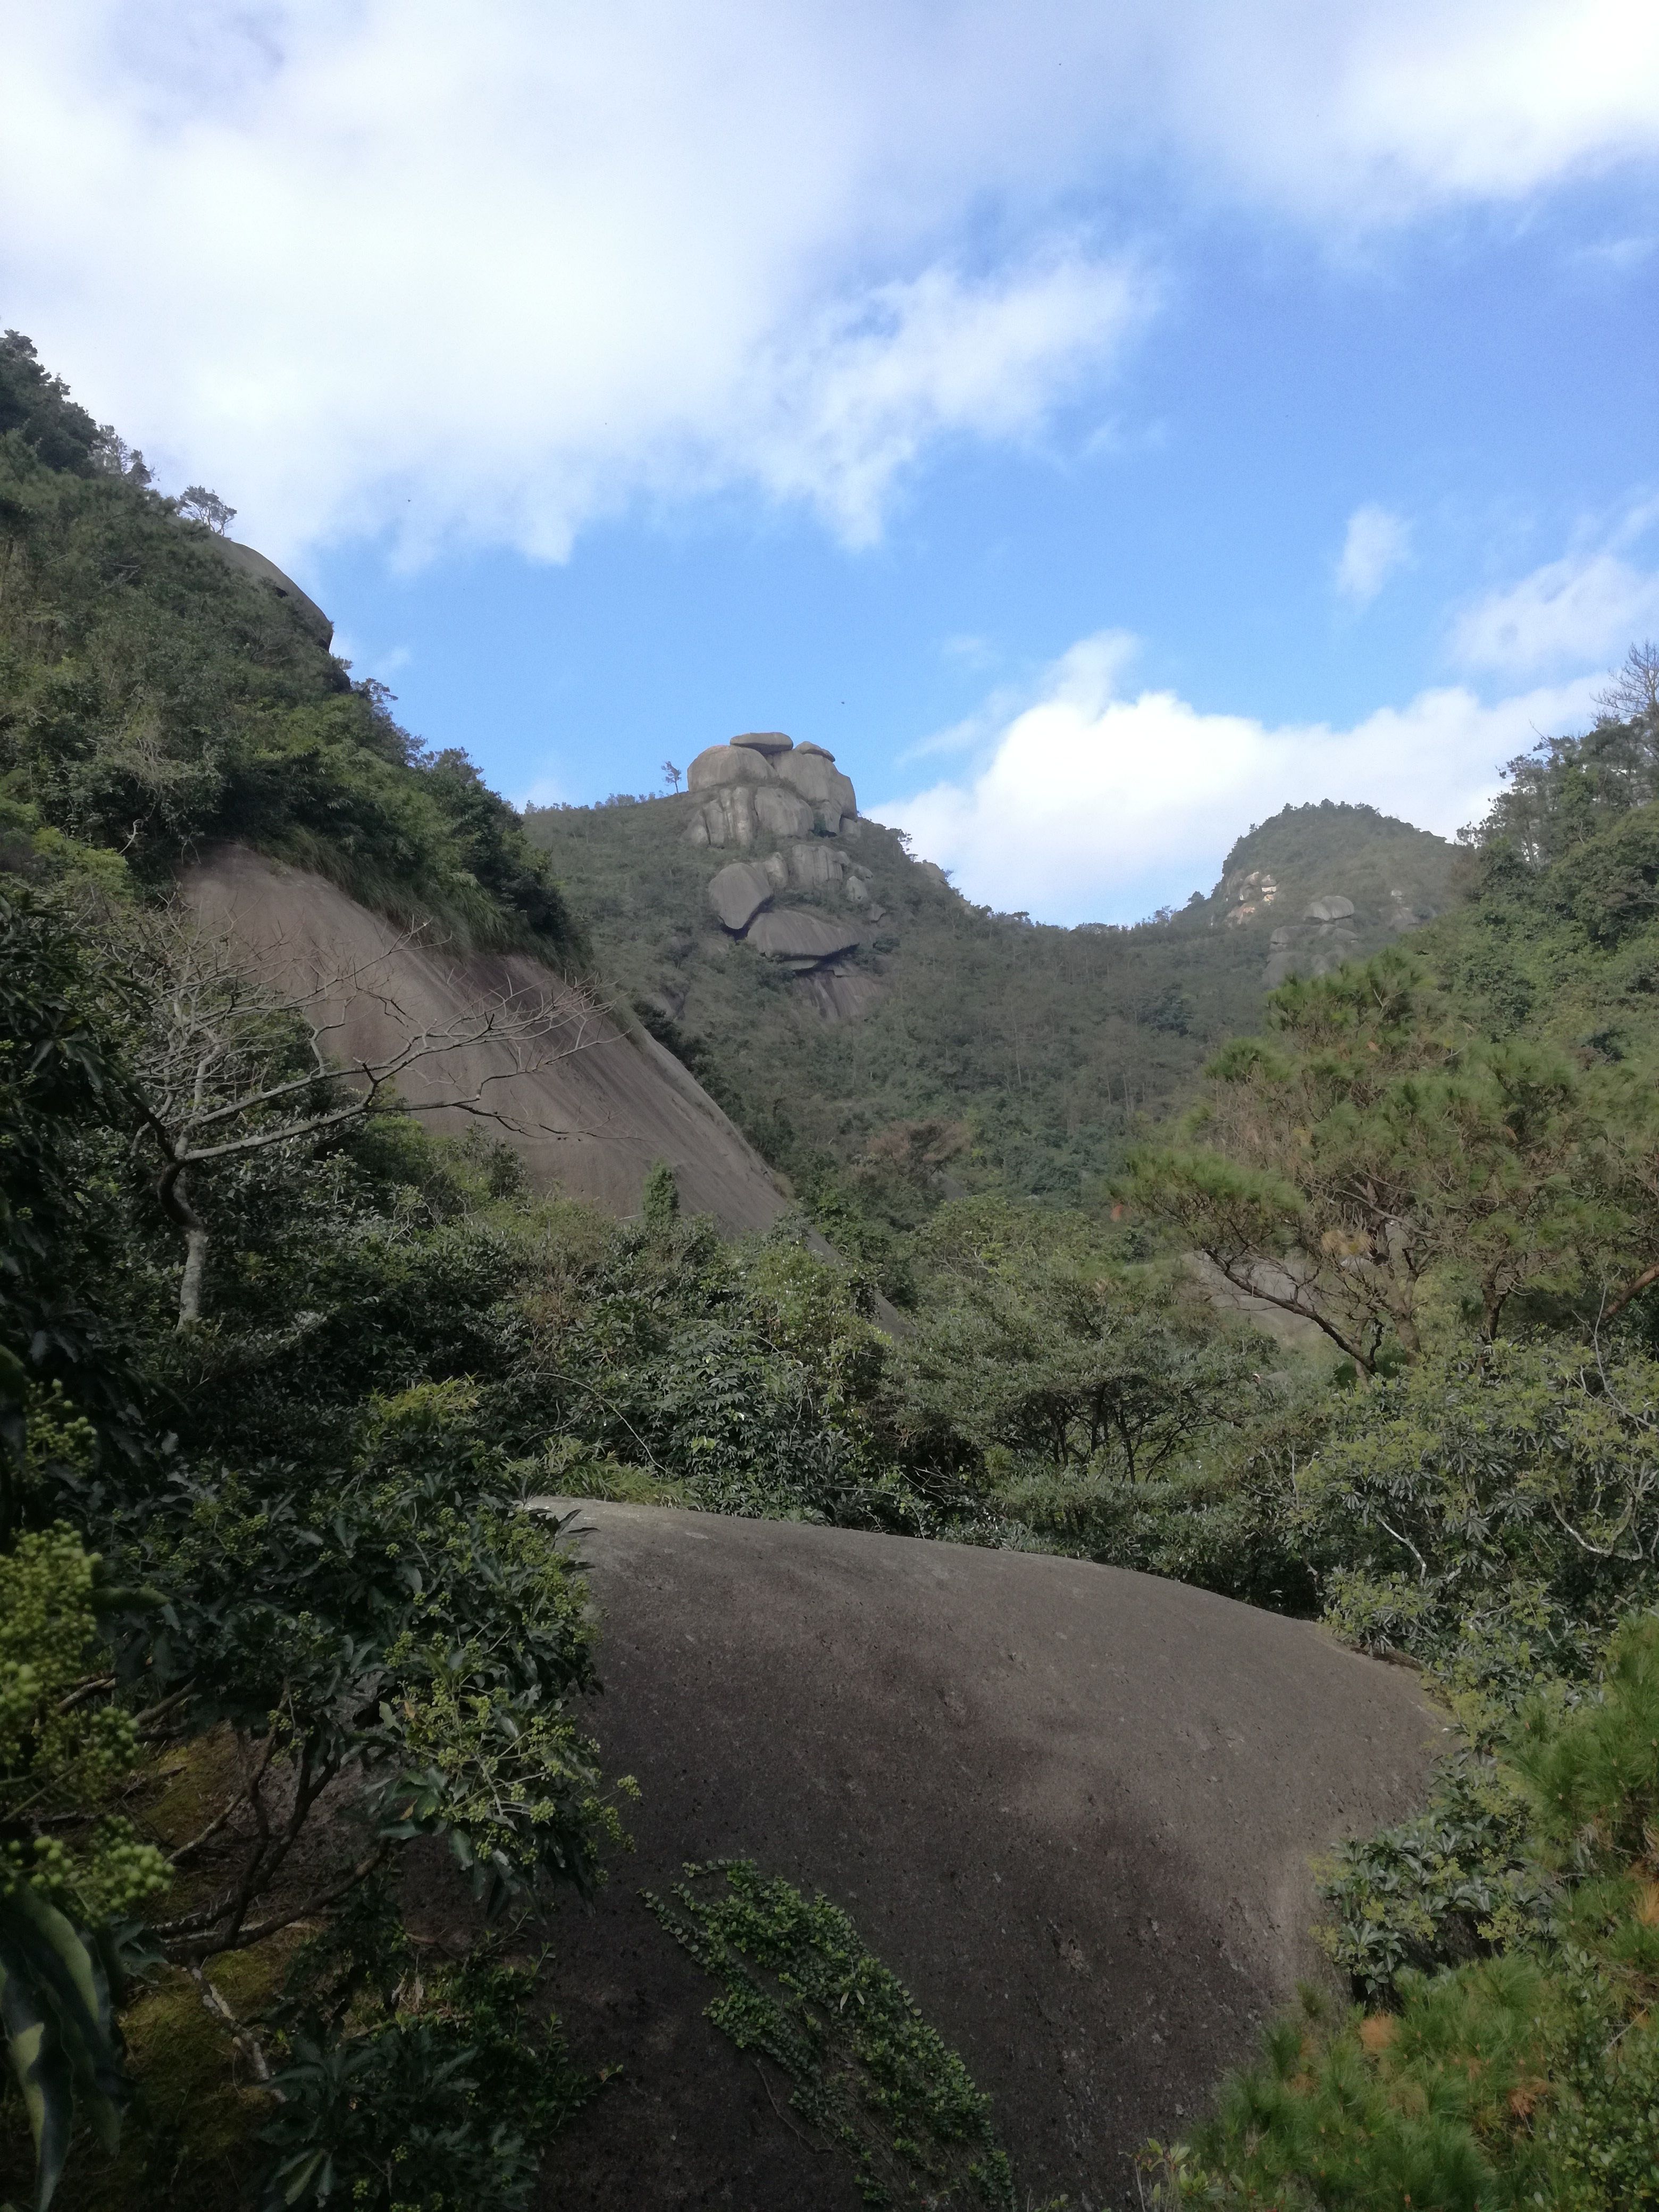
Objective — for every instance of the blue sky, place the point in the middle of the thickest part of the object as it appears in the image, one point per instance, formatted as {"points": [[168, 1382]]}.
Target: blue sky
{"points": [[1099, 426]]}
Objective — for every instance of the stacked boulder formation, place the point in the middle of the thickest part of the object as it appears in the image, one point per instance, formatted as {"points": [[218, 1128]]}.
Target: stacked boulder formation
{"points": [[765, 781], [763, 788]]}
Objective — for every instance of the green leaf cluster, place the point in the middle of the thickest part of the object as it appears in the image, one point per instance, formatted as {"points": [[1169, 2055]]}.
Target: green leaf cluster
{"points": [[865, 2070]]}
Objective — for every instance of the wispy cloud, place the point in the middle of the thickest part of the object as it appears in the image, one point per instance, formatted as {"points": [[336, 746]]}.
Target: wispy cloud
{"points": [[486, 274], [1096, 805], [1378, 542], [1582, 610]]}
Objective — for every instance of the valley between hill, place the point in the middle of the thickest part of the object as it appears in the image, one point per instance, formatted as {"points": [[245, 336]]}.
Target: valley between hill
{"points": [[1000, 1669]]}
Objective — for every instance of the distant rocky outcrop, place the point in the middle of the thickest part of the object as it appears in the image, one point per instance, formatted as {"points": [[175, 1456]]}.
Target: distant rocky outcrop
{"points": [[1329, 883], [801, 940], [763, 787], [1317, 945], [739, 893], [765, 783]]}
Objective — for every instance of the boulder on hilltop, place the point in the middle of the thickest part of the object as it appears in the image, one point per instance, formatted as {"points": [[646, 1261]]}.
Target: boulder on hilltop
{"points": [[792, 790]]}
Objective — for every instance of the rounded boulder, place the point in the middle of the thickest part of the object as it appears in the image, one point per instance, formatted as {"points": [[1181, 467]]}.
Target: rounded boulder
{"points": [[1072, 1807]]}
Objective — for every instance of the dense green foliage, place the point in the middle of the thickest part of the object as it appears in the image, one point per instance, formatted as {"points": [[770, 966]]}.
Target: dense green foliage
{"points": [[1449, 1166], [326, 1590], [865, 2071], [154, 700]]}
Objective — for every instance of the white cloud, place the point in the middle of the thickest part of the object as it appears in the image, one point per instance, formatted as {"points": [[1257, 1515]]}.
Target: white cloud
{"points": [[1092, 806], [488, 272], [1377, 543], [1583, 611]]}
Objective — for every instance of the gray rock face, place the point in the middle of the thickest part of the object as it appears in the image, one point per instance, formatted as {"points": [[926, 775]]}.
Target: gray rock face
{"points": [[795, 936], [737, 813], [761, 783], [728, 818], [816, 866], [739, 893], [1071, 1807], [255, 565], [722, 764], [1332, 908], [783, 812]]}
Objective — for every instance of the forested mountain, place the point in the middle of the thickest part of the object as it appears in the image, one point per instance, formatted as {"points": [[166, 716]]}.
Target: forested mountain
{"points": [[297, 1736], [1035, 1048]]}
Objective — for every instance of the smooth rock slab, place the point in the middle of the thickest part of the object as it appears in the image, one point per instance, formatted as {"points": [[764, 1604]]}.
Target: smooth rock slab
{"points": [[794, 936], [738, 892], [1072, 1807]]}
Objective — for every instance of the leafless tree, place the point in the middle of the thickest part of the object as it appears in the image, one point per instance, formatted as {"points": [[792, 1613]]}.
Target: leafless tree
{"points": [[231, 1066]]}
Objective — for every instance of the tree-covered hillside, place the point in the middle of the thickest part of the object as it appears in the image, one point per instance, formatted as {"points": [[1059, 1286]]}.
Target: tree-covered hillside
{"points": [[154, 699], [1039, 1047]]}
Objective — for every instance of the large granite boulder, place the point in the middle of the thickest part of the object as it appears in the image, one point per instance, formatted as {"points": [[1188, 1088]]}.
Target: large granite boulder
{"points": [[812, 773], [739, 813], [816, 866], [792, 790], [254, 565], [794, 936], [783, 812], [723, 764], [1332, 908], [1073, 1809], [739, 893]]}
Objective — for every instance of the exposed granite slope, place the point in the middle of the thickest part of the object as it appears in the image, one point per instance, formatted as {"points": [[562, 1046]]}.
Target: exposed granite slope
{"points": [[1073, 1807], [589, 1123]]}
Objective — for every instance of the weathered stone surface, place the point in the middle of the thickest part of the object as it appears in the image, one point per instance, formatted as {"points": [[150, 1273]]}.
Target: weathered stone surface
{"points": [[815, 777], [782, 812], [724, 765], [840, 993], [816, 866], [728, 818], [1332, 908], [777, 870], [795, 936], [1073, 1807], [588, 1123], [822, 752], [252, 563], [769, 742], [739, 893], [855, 891]]}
